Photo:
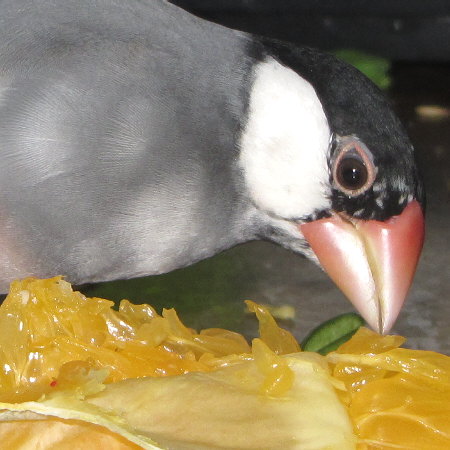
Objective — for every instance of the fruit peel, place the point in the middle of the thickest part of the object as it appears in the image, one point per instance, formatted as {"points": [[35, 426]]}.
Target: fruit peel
{"points": [[219, 409]]}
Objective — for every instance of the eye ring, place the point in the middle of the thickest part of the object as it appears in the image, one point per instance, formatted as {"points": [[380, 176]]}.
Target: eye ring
{"points": [[353, 169]]}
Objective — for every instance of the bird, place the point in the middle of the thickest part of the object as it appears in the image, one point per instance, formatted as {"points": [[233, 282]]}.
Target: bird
{"points": [[137, 138]]}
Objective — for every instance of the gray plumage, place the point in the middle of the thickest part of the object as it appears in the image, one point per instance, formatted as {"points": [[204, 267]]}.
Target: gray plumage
{"points": [[107, 116], [125, 148]]}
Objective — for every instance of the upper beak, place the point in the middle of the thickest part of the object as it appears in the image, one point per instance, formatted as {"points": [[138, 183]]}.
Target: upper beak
{"points": [[372, 262]]}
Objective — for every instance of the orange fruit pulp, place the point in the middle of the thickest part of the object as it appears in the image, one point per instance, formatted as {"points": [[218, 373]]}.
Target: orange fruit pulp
{"points": [[53, 338]]}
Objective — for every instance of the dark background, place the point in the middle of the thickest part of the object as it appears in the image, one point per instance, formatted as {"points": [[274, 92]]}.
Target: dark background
{"points": [[403, 30]]}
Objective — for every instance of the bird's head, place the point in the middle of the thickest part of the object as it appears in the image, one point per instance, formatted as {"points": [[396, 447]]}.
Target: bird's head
{"points": [[331, 174]]}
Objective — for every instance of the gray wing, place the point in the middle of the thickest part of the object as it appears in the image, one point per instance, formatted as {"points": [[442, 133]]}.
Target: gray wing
{"points": [[118, 125]]}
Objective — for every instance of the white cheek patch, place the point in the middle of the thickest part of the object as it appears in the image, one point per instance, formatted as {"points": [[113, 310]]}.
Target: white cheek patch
{"points": [[284, 144]]}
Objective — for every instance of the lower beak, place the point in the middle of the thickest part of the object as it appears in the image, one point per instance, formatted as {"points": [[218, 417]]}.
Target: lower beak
{"points": [[372, 262]]}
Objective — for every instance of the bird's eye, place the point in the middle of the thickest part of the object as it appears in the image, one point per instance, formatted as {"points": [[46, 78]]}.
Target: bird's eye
{"points": [[351, 173], [353, 169]]}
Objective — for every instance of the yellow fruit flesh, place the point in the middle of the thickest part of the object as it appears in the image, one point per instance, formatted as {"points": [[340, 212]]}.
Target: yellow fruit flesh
{"points": [[110, 369], [58, 344], [397, 398], [44, 324]]}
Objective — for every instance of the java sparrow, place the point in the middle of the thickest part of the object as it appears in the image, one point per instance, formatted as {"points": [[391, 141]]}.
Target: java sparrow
{"points": [[136, 139]]}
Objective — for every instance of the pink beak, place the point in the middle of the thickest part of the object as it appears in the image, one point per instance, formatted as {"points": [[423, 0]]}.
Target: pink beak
{"points": [[372, 262]]}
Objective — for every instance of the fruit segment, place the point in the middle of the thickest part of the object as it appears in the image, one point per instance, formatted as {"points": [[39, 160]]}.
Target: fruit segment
{"points": [[397, 397], [75, 373], [153, 382]]}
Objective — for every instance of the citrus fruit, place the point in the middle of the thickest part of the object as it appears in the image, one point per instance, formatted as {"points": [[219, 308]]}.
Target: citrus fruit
{"points": [[397, 398], [149, 380], [45, 324], [75, 373]]}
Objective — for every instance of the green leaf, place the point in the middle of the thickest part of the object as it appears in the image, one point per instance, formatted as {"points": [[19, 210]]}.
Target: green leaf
{"points": [[332, 333], [373, 67]]}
